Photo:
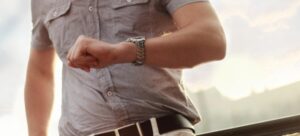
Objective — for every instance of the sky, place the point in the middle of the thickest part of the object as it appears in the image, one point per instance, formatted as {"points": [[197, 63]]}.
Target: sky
{"points": [[263, 52]]}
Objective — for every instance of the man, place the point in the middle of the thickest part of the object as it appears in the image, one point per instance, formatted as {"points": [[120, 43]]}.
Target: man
{"points": [[122, 62]]}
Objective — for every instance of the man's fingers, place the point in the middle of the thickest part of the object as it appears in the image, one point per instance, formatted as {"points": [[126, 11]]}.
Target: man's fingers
{"points": [[70, 53], [86, 69], [69, 57], [76, 51], [79, 57], [84, 61]]}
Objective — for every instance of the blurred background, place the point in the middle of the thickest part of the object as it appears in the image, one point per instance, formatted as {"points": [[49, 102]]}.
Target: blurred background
{"points": [[259, 80]]}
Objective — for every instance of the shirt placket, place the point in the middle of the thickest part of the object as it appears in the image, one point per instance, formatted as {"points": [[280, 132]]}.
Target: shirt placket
{"points": [[105, 81], [95, 23], [112, 99]]}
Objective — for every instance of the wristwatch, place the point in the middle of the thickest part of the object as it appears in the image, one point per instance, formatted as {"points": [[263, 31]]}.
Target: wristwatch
{"points": [[139, 43]]}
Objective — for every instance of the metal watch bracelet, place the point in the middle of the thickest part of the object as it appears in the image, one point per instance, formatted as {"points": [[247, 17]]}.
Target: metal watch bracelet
{"points": [[139, 43]]}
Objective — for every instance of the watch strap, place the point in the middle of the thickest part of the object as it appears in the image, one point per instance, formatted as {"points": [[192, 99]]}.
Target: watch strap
{"points": [[139, 43]]}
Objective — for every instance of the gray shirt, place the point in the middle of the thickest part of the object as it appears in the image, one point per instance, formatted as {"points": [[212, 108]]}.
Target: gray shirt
{"points": [[120, 94]]}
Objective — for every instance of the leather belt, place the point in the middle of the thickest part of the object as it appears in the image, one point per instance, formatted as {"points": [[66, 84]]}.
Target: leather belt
{"points": [[165, 124]]}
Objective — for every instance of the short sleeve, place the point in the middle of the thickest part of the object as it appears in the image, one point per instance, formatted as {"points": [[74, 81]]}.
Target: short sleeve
{"points": [[39, 37], [173, 5]]}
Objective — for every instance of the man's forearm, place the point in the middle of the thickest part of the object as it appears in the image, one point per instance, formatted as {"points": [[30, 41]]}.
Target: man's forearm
{"points": [[38, 101], [188, 47], [39, 91], [185, 48], [199, 38]]}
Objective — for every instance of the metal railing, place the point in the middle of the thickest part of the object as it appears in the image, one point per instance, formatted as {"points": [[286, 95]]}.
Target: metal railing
{"points": [[279, 127]]}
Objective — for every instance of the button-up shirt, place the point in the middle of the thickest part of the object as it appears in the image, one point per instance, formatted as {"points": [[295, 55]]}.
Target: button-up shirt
{"points": [[120, 94]]}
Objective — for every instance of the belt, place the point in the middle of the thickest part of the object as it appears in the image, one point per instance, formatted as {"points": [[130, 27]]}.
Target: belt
{"points": [[164, 124]]}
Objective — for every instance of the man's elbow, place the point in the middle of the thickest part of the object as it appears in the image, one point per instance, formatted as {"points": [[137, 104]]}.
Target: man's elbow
{"points": [[217, 43], [214, 51], [220, 49]]}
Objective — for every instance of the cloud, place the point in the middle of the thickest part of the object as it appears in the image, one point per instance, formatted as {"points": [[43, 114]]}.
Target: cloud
{"points": [[240, 75], [199, 78], [11, 16], [255, 27], [8, 8], [263, 48], [278, 19], [269, 16], [14, 124], [13, 57], [234, 78]]}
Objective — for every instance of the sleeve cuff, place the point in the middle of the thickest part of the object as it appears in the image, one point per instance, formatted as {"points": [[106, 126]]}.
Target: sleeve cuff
{"points": [[173, 5], [40, 45]]}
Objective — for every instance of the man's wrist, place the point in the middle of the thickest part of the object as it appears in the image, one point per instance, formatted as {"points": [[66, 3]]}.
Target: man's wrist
{"points": [[125, 52]]}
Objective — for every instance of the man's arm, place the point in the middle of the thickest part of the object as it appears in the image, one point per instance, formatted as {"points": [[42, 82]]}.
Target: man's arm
{"points": [[39, 91], [199, 38]]}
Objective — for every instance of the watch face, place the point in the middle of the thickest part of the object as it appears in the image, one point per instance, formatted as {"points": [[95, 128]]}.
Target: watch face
{"points": [[139, 41], [139, 38]]}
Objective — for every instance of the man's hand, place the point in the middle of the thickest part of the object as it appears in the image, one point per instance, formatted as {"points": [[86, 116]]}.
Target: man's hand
{"points": [[92, 53]]}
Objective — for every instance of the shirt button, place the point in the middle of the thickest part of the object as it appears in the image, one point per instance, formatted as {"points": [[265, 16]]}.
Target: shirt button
{"points": [[90, 8], [109, 93], [129, 0]]}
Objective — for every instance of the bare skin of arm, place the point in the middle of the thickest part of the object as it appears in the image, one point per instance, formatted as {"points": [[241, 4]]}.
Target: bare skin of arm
{"points": [[39, 91], [199, 39]]}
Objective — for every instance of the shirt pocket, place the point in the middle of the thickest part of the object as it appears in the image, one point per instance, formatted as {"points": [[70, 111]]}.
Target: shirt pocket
{"points": [[126, 3], [132, 17], [57, 12], [57, 22]]}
